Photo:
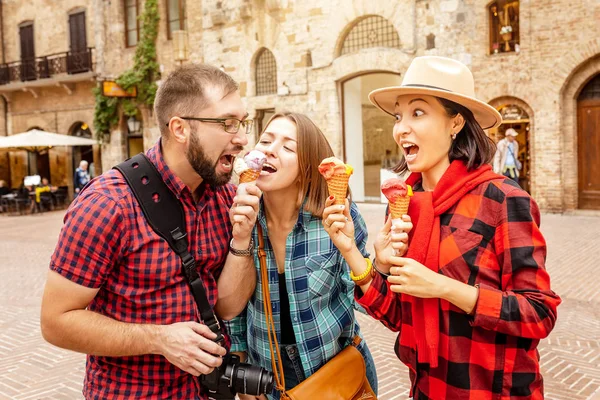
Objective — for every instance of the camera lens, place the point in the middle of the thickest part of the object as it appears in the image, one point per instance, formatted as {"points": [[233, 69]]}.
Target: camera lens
{"points": [[252, 380]]}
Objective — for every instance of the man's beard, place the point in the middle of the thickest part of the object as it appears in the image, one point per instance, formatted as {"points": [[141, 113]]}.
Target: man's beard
{"points": [[202, 165]]}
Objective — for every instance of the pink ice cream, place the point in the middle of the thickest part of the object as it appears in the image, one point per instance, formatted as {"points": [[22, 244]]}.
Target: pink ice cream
{"points": [[393, 188], [255, 160]]}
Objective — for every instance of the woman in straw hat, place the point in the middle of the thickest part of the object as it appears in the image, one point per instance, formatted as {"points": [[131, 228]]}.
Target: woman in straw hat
{"points": [[471, 298]]}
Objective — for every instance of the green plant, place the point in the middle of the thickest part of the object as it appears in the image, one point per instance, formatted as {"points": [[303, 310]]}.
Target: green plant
{"points": [[143, 76], [105, 114]]}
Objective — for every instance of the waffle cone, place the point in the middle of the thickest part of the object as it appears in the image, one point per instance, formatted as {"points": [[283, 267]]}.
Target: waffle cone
{"points": [[338, 187], [249, 175], [399, 207]]}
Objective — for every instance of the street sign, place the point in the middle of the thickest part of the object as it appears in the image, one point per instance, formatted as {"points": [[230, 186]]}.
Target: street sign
{"points": [[111, 89]]}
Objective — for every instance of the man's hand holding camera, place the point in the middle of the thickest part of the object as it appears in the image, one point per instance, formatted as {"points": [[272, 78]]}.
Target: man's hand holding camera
{"points": [[190, 346]]}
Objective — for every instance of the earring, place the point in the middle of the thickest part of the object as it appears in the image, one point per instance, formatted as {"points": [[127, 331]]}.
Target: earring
{"points": [[453, 136]]}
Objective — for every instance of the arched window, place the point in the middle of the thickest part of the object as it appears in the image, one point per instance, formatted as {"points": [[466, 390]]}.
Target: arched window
{"points": [[80, 129], [266, 73], [369, 31], [591, 90], [504, 26]]}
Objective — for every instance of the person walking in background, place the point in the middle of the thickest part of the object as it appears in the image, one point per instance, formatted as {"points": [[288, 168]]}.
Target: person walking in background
{"points": [[82, 176], [506, 161]]}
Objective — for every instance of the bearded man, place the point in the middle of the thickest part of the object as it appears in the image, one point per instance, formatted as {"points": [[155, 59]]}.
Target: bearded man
{"points": [[115, 290]]}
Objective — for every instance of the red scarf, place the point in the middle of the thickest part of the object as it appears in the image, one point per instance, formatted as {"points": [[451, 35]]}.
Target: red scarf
{"points": [[424, 243]]}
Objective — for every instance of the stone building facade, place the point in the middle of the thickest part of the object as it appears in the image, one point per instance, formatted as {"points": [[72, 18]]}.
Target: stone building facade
{"points": [[46, 79], [538, 62]]}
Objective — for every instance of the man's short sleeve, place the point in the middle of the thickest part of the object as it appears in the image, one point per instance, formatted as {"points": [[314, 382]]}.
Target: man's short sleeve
{"points": [[91, 241]]}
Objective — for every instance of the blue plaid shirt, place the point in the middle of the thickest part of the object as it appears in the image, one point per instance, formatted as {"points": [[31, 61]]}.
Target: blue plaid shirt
{"points": [[320, 291]]}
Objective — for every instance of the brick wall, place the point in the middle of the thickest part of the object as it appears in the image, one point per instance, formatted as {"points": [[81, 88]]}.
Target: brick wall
{"points": [[559, 52]]}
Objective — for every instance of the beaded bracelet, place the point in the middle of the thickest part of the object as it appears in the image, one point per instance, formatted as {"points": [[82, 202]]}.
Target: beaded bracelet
{"points": [[366, 276]]}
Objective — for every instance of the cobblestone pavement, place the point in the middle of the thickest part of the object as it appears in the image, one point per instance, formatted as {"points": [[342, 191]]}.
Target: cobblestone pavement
{"points": [[33, 369]]}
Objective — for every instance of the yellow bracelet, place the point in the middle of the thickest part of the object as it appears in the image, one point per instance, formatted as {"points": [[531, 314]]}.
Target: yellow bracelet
{"points": [[364, 274]]}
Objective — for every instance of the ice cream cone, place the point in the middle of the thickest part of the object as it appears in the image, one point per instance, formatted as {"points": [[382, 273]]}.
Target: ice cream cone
{"points": [[249, 175], [338, 187], [399, 207]]}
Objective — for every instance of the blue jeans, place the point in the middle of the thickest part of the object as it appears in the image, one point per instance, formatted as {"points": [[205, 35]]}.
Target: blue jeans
{"points": [[294, 373]]}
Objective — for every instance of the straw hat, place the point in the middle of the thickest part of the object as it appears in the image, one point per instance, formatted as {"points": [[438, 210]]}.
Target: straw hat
{"points": [[439, 77]]}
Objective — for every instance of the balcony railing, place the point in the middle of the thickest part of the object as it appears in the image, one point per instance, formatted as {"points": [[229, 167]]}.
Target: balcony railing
{"points": [[46, 66]]}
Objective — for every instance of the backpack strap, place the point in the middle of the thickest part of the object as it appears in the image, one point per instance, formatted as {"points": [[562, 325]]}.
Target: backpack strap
{"points": [[165, 215]]}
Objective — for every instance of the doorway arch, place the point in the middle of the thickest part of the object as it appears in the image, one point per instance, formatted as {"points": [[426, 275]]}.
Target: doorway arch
{"points": [[518, 115], [588, 144], [572, 87], [366, 133]]}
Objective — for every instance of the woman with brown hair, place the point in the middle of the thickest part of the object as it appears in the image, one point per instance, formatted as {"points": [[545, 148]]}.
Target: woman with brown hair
{"points": [[471, 299], [311, 291]]}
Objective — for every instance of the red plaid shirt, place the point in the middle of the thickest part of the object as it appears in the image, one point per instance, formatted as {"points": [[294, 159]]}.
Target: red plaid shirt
{"points": [[107, 243], [490, 238]]}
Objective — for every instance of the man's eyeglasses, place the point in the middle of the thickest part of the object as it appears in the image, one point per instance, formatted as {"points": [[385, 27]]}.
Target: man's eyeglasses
{"points": [[230, 125]]}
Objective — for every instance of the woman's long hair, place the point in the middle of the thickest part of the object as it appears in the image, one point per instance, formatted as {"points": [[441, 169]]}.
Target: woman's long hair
{"points": [[471, 144], [313, 147]]}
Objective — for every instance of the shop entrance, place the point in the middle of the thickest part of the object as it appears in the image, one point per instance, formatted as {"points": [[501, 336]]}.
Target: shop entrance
{"points": [[368, 143]]}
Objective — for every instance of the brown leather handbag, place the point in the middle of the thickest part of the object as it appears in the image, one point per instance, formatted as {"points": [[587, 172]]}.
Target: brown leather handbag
{"points": [[341, 378]]}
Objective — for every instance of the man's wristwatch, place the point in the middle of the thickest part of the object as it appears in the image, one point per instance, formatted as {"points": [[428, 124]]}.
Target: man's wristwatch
{"points": [[242, 253]]}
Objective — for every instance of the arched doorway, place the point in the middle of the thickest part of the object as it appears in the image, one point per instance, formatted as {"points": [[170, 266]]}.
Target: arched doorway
{"points": [[514, 116], [368, 143], [367, 132], [588, 144], [81, 129]]}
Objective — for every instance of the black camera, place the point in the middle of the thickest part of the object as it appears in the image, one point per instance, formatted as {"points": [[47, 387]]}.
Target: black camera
{"points": [[235, 377]]}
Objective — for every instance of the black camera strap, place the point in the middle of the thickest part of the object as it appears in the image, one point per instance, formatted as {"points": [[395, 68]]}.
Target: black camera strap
{"points": [[165, 214]]}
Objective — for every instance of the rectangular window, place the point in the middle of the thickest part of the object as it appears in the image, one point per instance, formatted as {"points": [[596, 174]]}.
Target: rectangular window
{"points": [[27, 71], [132, 25], [504, 26], [262, 117], [176, 17]]}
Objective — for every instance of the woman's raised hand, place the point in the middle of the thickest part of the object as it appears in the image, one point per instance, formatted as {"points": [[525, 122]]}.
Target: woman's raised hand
{"points": [[392, 240], [244, 211], [339, 225]]}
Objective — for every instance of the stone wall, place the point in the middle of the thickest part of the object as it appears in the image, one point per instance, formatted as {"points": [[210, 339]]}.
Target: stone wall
{"points": [[559, 52], [50, 25], [556, 39], [52, 108]]}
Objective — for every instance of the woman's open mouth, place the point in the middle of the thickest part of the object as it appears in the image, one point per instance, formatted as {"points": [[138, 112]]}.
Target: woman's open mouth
{"points": [[268, 169], [410, 151]]}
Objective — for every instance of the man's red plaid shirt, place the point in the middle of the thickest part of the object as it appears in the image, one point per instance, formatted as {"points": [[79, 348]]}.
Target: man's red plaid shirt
{"points": [[490, 238], [106, 243]]}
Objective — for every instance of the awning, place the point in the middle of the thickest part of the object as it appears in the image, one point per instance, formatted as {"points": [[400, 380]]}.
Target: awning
{"points": [[36, 141]]}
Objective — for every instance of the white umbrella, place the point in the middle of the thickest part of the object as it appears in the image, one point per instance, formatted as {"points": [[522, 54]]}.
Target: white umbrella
{"points": [[36, 141]]}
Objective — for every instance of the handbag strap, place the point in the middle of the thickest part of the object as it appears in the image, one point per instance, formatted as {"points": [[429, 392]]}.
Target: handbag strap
{"points": [[276, 363], [511, 152]]}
